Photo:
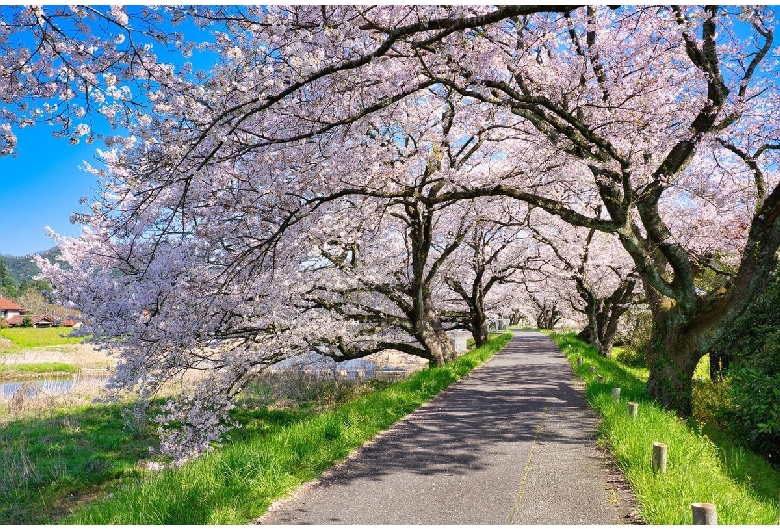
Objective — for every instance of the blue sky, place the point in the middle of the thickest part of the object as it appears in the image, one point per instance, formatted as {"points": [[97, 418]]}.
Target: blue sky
{"points": [[41, 187]]}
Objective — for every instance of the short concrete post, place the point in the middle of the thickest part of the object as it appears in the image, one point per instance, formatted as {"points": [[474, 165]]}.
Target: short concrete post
{"points": [[659, 457], [601, 378], [579, 361], [616, 394], [632, 408], [593, 369], [704, 513]]}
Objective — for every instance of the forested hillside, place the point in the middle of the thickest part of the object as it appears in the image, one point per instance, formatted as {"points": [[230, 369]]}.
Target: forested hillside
{"points": [[17, 276], [22, 268]]}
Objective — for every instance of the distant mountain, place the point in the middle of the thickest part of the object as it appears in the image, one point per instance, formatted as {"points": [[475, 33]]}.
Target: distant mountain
{"points": [[23, 268]]}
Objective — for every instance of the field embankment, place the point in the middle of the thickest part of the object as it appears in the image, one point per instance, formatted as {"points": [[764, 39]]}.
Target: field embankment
{"points": [[28, 353]]}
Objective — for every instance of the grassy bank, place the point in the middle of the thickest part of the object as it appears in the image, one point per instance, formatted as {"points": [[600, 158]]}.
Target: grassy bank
{"points": [[30, 353], [62, 456], [276, 451], [700, 468]]}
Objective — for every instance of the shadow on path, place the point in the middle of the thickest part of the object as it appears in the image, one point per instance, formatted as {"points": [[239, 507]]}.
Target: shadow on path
{"points": [[475, 454]]}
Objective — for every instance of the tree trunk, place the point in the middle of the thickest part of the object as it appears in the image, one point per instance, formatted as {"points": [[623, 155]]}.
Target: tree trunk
{"points": [[427, 327], [549, 315], [603, 325], [477, 323], [426, 322], [594, 309], [719, 363], [435, 341], [479, 331], [474, 299], [673, 353], [604, 313]]}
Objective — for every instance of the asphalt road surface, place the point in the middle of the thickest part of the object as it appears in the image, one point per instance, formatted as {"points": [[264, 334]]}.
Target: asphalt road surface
{"points": [[512, 443]]}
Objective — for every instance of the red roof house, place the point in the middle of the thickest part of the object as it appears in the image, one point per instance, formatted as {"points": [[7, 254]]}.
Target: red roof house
{"points": [[36, 321], [9, 309]]}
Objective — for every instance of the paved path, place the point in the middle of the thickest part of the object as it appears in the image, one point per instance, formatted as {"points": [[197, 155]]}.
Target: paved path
{"points": [[511, 443]]}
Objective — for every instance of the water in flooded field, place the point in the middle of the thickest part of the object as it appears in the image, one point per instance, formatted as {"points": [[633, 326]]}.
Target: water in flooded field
{"points": [[47, 385]]}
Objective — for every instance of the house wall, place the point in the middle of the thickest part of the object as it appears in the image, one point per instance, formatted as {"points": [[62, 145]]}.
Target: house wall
{"points": [[9, 313]]}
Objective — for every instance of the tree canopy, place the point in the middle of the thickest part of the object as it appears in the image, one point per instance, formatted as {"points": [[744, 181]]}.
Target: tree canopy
{"points": [[313, 185]]}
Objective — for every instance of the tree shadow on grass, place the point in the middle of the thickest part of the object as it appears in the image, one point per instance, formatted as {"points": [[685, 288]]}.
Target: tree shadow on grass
{"points": [[745, 467]]}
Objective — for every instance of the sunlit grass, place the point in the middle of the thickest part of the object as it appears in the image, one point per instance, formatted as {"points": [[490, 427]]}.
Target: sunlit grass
{"points": [[700, 468], [8, 371], [84, 460], [56, 459], [26, 338], [702, 371]]}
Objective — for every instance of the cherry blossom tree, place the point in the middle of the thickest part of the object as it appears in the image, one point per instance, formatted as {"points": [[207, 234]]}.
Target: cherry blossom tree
{"points": [[632, 149], [319, 245], [603, 275], [488, 257], [664, 117], [82, 69], [386, 282], [547, 295], [418, 145], [498, 257], [640, 134]]}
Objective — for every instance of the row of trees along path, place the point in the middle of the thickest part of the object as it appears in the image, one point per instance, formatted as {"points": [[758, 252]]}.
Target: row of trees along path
{"points": [[282, 179]]}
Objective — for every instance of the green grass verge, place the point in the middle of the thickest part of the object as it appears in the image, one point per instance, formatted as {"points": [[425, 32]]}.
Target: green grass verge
{"points": [[8, 371], [275, 452], [58, 459], [26, 338], [700, 468]]}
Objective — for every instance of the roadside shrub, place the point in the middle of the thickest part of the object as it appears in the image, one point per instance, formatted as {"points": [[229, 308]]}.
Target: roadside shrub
{"points": [[712, 403], [756, 414], [631, 357], [3, 323], [754, 343]]}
